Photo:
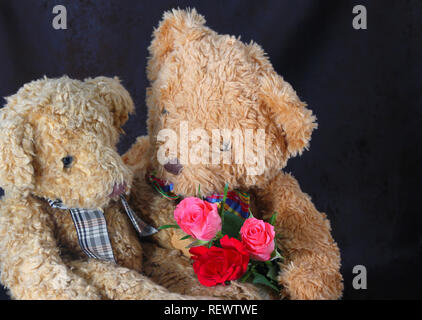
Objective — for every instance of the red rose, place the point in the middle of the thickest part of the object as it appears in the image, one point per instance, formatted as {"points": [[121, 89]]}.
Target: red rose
{"points": [[217, 265]]}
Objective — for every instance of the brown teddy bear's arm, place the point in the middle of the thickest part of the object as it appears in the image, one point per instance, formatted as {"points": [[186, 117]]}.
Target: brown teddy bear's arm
{"points": [[137, 156], [312, 258], [30, 263], [119, 283]]}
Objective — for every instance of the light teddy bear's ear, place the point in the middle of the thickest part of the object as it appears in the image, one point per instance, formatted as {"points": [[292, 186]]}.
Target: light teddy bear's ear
{"points": [[16, 152], [115, 96], [176, 27]]}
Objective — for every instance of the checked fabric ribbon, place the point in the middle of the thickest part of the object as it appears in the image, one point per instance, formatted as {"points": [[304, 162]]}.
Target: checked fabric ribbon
{"points": [[91, 228], [237, 202]]}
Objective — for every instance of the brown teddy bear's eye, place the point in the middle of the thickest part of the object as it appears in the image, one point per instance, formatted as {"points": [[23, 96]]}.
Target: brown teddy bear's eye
{"points": [[67, 161], [225, 147]]}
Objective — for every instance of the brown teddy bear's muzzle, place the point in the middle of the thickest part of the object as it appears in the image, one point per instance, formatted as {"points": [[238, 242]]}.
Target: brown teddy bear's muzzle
{"points": [[173, 167]]}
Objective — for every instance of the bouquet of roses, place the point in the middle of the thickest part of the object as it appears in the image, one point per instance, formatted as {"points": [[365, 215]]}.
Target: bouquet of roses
{"points": [[226, 246]]}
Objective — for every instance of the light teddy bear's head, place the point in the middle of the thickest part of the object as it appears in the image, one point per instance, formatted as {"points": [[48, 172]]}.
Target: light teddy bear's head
{"points": [[203, 83], [58, 138]]}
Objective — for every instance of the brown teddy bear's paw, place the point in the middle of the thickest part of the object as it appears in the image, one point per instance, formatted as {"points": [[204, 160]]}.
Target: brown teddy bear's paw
{"points": [[301, 283], [233, 291]]}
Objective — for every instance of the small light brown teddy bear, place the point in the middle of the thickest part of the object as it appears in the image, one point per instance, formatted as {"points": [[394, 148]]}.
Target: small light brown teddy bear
{"points": [[57, 141], [204, 81]]}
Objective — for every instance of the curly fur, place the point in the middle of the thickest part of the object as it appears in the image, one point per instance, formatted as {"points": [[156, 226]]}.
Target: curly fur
{"points": [[40, 257], [215, 81]]}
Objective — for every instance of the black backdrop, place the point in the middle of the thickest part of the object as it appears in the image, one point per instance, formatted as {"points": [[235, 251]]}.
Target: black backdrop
{"points": [[364, 86]]}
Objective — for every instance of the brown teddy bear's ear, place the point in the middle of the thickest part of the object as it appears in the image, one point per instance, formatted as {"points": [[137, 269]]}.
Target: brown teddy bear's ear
{"points": [[16, 152], [288, 112], [116, 97], [177, 26]]}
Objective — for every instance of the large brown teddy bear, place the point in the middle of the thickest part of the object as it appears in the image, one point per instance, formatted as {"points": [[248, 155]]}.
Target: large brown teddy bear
{"points": [[57, 141], [205, 81]]}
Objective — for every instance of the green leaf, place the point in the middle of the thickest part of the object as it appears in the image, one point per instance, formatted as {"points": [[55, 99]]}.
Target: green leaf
{"points": [[186, 237], [199, 192], [275, 255], [222, 203], [250, 214], [272, 219], [246, 276], [168, 226], [219, 235], [197, 243], [231, 225], [272, 270], [226, 189], [260, 279]]}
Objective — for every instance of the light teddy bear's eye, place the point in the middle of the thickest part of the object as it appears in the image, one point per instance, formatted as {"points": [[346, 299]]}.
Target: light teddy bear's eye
{"points": [[67, 161]]}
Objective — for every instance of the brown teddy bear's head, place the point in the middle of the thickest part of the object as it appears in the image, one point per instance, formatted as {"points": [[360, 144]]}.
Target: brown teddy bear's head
{"points": [[202, 81], [58, 137]]}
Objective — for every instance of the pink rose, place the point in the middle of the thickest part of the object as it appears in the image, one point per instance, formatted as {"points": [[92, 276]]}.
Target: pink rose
{"points": [[198, 218], [258, 238]]}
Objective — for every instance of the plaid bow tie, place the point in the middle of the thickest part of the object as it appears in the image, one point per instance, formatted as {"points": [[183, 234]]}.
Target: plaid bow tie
{"points": [[91, 228]]}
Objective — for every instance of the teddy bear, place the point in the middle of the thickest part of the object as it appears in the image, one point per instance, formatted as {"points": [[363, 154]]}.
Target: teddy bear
{"points": [[202, 82], [64, 233]]}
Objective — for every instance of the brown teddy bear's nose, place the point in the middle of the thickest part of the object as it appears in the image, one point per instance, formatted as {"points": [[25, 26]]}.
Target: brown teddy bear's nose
{"points": [[118, 189], [173, 167]]}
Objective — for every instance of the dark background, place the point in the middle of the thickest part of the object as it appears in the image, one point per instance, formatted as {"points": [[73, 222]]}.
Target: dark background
{"points": [[363, 168]]}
